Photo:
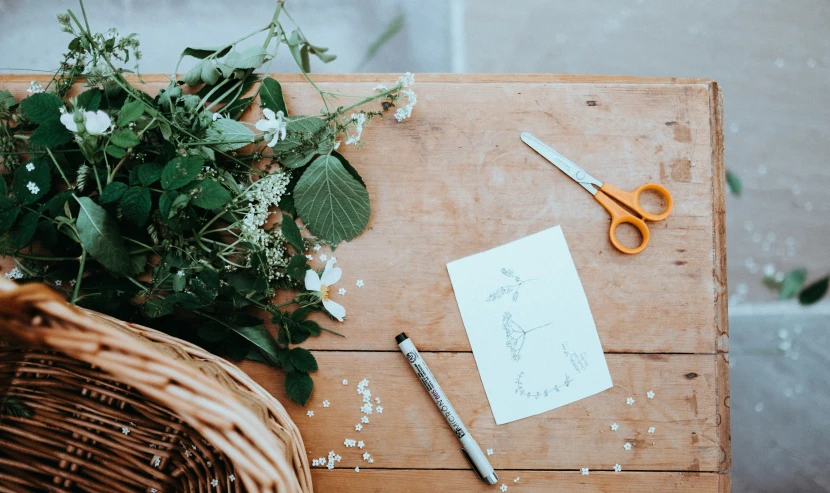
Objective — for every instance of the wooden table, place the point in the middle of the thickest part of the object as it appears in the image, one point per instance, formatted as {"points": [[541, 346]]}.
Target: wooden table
{"points": [[454, 180]]}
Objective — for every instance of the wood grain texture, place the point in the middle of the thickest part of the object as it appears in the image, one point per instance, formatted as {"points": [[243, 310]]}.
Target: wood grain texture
{"points": [[377, 481], [455, 180]]}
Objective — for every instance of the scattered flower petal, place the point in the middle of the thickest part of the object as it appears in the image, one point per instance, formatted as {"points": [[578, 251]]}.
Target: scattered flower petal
{"points": [[650, 394], [30, 167], [359, 283], [341, 291], [651, 430], [516, 480], [617, 468], [345, 382], [614, 426], [489, 451], [379, 409], [585, 471], [503, 487], [310, 414], [627, 446], [360, 444], [358, 427], [366, 455], [630, 401], [326, 403], [364, 419], [357, 469], [324, 257], [214, 483], [125, 431]]}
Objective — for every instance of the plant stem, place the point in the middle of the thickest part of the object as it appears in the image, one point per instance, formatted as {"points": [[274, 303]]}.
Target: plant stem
{"points": [[44, 259], [49, 151], [364, 101], [80, 276]]}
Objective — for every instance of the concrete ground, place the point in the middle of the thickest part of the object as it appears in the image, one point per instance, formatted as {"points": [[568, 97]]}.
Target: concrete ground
{"points": [[772, 59]]}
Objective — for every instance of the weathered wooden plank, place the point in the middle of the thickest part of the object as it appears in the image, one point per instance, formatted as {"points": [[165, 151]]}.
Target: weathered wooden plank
{"points": [[378, 480], [455, 179], [411, 433]]}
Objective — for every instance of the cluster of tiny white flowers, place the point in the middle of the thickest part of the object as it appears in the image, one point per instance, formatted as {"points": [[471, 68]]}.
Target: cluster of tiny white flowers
{"points": [[359, 119], [33, 188], [35, 87], [262, 196], [15, 273], [349, 442], [30, 167], [405, 112]]}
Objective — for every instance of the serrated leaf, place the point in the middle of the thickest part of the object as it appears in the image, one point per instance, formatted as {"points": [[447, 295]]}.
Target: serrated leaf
{"points": [[230, 134], [149, 173], [310, 326], [235, 109], [166, 203], [348, 166], [181, 171], [303, 360], [298, 387], [136, 204], [210, 74], [113, 192], [305, 138], [179, 203], [90, 99], [157, 308], [270, 95], [130, 112], [734, 182], [42, 107], [292, 233], [25, 230], [814, 292], [8, 217], [193, 76], [208, 194], [50, 134], [100, 236], [115, 151], [296, 266], [332, 204], [125, 138], [40, 177], [249, 58], [792, 283]]}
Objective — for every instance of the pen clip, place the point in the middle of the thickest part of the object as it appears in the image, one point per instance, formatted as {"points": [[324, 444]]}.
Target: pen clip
{"points": [[472, 464]]}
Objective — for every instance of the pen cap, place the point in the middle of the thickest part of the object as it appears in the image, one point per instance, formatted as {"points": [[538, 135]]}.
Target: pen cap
{"points": [[401, 337]]}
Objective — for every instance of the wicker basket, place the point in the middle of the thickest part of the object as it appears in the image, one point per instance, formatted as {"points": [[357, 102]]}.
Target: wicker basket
{"points": [[121, 407]]}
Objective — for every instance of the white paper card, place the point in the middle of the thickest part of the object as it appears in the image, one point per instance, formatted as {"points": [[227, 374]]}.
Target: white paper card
{"points": [[530, 327]]}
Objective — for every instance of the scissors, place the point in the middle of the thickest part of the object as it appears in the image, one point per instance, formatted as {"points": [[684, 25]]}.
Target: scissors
{"points": [[609, 196]]}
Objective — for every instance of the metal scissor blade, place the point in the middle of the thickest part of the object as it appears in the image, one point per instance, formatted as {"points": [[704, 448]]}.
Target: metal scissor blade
{"points": [[567, 166]]}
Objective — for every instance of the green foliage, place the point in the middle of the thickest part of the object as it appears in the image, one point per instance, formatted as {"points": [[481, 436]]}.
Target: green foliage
{"points": [[42, 107], [208, 194], [180, 171], [298, 387], [229, 134], [125, 138], [792, 283], [100, 236], [270, 95], [12, 406], [130, 112], [90, 99], [113, 192], [814, 292], [292, 233], [333, 204], [29, 185], [136, 204], [50, 134], [734, 182]]}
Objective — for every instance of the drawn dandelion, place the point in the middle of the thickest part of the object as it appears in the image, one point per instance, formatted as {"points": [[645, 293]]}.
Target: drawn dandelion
{"points": [[509, 288], [516, 335]]}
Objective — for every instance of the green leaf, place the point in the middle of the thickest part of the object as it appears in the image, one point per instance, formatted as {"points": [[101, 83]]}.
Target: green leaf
{"points": [[3, 189], [230, 134], [792, 283], [212, 332], [206, 52], [250, 58], [179, 204], [346, 164], [772, 283], [113, 192], [42, 107], [136, 204], [261, 338], [181, 171], [814, 292], [270, 95], [298, 387], [40, 176], [12, 406], [24, 232], [303, 360], [306, 136], [206, 89], [50, 134], [130, 112], [125, 138], [292, 233], [90, 99], [100, 236], [149, 173], [332, 204], [235, 109], [193, 76], [210, 74], [115, 151], [294, 47], [179, 281], [7, 218], [296, 266], [166, 203], [157, 308], [311, 327], [734, 182], [208, 194]]}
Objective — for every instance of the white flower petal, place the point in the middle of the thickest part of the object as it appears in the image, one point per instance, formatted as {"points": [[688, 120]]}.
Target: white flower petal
{"points": [[335, 309], [269, 113], [332, 274], [97, 123], [68, 120], [312, 281]]}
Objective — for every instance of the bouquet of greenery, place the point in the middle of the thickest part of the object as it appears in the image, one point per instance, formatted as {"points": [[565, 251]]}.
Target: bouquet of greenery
{"points": [[164, 210]]}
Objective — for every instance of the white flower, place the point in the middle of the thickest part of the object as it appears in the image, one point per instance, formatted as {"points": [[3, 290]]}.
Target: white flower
{"points": [[351, 139], [503, 487], [216, 116], [72, 282], [324, 257], [35, 87], [15, 273], [321, 284], [651, 430], [180, 273], [380, 88], [309, 257], [326, 403], [33, 188], [359, 283], [336, 145], [315, 463], [95, 122], [310, 414], [232, 478], [358, 427], [30, 167], [517, 479], [614, 426], [366, 455], [364, 419], [627, 446], [617, 468], [322, 461], [371, 460], [406, 79], [630, 401], [345, 382], [489, 451], [360, 444], [273, 125], [157, 462], [316, 248], [58, 282], [125, 430], [584, 471], [333, 259], [650, 394], [377, 399], [357, 469], [341, 291], [379, 409], [214, 483]]}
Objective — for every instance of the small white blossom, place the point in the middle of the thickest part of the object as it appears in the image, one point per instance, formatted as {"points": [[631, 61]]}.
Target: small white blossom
{"points": [[360, 444], [377, 399], [315, 282], [406, 80], [315, 463], [379, 409], [371, 460], [322, 461], [95, 122], [627, 446], [58, 282], [208, 463], [232, 478], [273, 125], [15, 273], [650, 394], [336, 145], [517, 479], [309, 257], [503, 487], [358, 427], [30, 167], [366, 409], [125, 430], [345, 382], [359, 283], [489, 451], [324, 257], [310, 414], [364, 419], [380, 88], [366, 455], [326, 403], [316, 248], [35, 87], [614, 427], [153, 490], [357, 469], [630, 401], [214, 483], [359, 119], [33, 188], [157, 462], [585, 471], [617, 468], [72, 282], [651, 430], [180, 273], [216, 116], [188, 453], [341, 291]]}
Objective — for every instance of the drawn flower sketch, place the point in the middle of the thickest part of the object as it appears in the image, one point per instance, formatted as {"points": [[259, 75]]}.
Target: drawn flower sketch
{"points": [[509, 288], [520, 389], [516, 335]]}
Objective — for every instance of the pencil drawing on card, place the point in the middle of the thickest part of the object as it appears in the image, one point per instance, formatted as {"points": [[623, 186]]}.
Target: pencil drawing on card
{"points": [[516, 335], [511, 286], [545, 392]]}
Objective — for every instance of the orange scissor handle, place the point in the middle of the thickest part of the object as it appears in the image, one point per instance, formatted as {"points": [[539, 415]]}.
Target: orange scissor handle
{"points": [[620, 216], [632, 199]]}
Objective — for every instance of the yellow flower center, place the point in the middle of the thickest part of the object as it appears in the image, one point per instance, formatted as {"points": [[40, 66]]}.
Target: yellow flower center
{"points": [[324, 292]]}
